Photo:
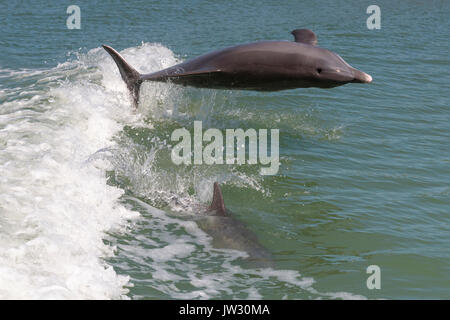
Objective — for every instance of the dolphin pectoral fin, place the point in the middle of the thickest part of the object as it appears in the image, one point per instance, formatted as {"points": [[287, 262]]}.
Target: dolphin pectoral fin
{"points": [[205, 72], [197, 72], [305, 36], [172, 73], [217, 203], [132, 78]]}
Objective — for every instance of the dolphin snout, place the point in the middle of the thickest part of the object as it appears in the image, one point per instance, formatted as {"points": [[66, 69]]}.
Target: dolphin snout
{"points": [[361, 77]]}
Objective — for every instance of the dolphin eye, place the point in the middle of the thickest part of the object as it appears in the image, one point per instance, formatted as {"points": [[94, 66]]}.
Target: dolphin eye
{"points": [[319, 70]]}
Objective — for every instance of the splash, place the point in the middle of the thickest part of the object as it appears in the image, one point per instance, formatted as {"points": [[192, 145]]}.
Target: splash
{"points": [[72, 152], [56, 206]]}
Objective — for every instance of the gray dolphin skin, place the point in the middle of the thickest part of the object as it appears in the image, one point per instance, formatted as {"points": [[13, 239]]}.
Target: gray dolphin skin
{"points": [[260, 66], [230, 233]]}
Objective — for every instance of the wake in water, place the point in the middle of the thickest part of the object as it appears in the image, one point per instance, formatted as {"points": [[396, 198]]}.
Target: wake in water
{"points": [[55, 209], [71, 147]]}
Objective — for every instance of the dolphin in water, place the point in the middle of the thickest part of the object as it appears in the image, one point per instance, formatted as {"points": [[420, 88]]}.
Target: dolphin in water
{"points": [[260, 66], [230, 233]]}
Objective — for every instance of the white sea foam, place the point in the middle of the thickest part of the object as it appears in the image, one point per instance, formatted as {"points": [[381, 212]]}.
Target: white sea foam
{"points": [[177, 251], [56, 206]]}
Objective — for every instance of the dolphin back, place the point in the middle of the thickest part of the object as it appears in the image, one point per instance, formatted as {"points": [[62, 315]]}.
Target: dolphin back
{"points": [[230, 233]]}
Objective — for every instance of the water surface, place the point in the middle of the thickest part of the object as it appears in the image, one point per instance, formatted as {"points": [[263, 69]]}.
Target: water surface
{"points": [[92, 207]]}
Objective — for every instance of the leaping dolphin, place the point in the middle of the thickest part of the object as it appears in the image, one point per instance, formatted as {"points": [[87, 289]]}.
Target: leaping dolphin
{"points": [[261, 66], [230, 233]]}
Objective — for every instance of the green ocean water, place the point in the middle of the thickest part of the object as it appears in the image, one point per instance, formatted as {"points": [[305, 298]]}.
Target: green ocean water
{"points": [[91, 205]]}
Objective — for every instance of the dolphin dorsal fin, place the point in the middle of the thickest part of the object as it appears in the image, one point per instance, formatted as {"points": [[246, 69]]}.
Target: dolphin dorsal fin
{"points": [[305, 36], [217, 203]]}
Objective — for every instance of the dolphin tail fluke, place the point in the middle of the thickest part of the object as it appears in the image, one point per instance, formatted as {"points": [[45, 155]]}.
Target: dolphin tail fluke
{"points": [[217, 203], [132, 78]]}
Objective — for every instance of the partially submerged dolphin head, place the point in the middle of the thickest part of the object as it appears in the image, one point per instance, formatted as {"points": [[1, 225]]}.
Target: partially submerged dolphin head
{"points": [[325, 68]]}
